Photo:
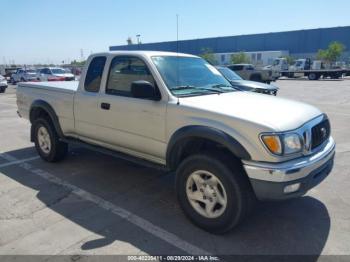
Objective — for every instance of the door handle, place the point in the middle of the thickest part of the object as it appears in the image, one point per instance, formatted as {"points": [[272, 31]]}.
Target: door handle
{"points": [[105, 106]]}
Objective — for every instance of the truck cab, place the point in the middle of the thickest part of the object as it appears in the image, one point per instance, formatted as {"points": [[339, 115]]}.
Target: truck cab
{"points": [[280, 64]]}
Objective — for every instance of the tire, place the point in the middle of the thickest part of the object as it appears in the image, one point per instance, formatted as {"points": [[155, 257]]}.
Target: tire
{"points": [[2, 89], [233, 186], [56, 150], [313, 76]]}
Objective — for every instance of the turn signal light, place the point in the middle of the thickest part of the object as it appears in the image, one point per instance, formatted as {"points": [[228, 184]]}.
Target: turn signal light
{"points": [[273, 143]]}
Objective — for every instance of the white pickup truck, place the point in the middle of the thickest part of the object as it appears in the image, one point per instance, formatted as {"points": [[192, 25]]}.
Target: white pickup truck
{"points": [[177, 112]]}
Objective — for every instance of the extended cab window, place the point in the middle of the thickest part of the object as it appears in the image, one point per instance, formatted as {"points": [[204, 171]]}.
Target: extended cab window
{"points": [[94, 74], [123, 71]]}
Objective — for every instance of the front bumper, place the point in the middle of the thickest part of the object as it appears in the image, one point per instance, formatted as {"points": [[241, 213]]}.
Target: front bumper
{"points": [[269, 180]]}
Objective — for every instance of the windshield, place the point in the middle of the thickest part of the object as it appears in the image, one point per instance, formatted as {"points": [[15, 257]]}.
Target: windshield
{"points": [[276, 62], [58, 71], [229, 74], [189, 76], [298, 63]]}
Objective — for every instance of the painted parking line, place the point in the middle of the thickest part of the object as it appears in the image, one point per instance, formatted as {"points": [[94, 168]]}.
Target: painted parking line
{"points": [[16, 162], [142, 223]]}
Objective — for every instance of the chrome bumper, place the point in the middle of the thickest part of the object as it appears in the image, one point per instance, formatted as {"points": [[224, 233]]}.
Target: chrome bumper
{"points": [[290, 170], [271, 180]]}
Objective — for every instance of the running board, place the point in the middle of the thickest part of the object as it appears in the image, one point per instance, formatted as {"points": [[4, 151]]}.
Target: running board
{"points": [[100, 149]]}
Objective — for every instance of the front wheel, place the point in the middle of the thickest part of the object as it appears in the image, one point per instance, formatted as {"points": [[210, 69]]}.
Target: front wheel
{"points": [[47, 142], [213, 196]]}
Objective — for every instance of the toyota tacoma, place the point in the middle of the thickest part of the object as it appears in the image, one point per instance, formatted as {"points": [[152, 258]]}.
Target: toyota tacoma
{"points": [[176, 112]]}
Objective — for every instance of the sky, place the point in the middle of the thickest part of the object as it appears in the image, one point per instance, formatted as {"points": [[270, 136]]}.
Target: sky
{"points": [[51, 31]]}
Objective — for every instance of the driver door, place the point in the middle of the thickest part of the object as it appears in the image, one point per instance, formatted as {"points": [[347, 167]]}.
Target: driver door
{"points": [[129, 124]]}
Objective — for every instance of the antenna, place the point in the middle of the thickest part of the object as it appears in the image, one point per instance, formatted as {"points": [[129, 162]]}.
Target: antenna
{"points": [[177, 33], [177, 57]]}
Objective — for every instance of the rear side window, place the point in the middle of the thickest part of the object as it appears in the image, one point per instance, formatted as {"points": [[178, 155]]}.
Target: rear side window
{"points": [[94, 74]]}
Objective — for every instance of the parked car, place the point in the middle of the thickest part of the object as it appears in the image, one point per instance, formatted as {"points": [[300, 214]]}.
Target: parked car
{"points": [[9, 71], [249, 72], [54, 74], [3, 84], [23, 75], [245, 85], [177, 112]]}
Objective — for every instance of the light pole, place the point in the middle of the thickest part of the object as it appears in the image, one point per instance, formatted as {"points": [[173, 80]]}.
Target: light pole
{"points": [[138, 40]]}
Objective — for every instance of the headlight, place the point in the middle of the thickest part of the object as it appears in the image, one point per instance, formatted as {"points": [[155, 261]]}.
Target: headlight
{"points": [[292, 143], [283, 144]]}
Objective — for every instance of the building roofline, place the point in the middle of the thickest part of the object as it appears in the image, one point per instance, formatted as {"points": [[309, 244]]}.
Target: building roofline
{"points": [[228, 36]]}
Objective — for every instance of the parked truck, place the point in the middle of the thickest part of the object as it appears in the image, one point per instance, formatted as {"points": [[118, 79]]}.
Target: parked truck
{"points": [[249, 72], [176, 112], [313, 70]]}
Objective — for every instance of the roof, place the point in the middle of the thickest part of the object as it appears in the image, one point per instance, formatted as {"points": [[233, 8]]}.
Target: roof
{"points": [[144, 53], [299, 41]]}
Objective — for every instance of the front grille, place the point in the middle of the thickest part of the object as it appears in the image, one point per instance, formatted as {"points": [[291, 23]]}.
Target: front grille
{"points": [[320, 133]]}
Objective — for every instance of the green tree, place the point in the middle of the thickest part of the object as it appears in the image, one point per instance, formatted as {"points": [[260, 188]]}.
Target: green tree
{"points": [[290, 59], [207, 54], [332, 53], [240, 58], [77, 63]]}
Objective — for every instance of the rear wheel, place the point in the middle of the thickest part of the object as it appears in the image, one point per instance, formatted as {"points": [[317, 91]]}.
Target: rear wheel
{"points": [[47, 142], [213, 196], [313, 76]]}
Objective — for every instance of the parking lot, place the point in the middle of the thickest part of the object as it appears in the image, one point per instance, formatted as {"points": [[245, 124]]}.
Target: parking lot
{"points": [[96, 204]]}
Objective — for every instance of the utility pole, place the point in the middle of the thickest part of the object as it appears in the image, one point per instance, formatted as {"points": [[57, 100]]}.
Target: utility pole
{"points": [[138, 40], [81, 55]]}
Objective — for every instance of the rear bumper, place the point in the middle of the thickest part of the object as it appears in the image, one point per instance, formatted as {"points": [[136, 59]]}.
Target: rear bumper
{"points": [[269, 180]]}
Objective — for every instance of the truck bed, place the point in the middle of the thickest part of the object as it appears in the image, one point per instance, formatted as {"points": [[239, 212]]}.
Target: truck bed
{"points": [[59, 86], [59, 95]]}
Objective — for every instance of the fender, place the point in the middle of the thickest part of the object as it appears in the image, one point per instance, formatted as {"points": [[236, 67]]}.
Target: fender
{"points": [[43, 105], [209, 133]]}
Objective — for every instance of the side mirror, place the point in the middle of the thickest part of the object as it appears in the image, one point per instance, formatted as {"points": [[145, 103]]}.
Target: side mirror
{"points": [[145, 90]]}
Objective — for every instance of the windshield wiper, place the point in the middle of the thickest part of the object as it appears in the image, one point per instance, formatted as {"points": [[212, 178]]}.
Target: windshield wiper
{"points": [[197, 89], [221, 86], [183, 87], [218, 91]]}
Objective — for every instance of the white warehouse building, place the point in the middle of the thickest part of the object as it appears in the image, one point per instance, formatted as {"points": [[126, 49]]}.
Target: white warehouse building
{"points": [[258, 58]]}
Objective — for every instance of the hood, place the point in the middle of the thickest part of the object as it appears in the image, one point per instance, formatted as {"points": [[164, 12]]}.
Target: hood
{"points": [[276, 113], [253, 85]]}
